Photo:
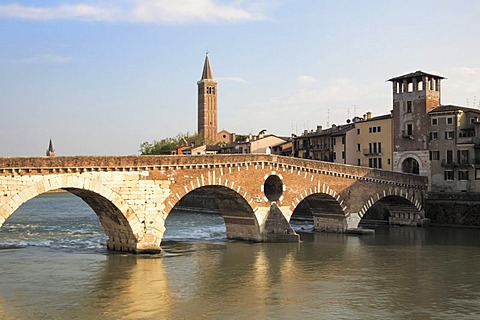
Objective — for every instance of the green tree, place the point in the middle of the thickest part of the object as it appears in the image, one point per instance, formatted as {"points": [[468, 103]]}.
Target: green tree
{"points": [[167, 145]]}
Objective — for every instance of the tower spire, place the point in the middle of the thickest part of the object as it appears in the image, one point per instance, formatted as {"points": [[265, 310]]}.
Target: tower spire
{"points": [[50, 150], [207, 70]]}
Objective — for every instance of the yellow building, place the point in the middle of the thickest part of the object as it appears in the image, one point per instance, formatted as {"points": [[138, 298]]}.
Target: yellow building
{"points": [[374, 141]]}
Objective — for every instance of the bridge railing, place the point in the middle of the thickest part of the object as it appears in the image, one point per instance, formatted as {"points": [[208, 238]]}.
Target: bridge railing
{"points": [[112, 163]]}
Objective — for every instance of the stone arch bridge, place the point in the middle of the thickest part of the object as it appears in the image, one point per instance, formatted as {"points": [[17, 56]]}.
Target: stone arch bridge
{"points": [[256, 194]]}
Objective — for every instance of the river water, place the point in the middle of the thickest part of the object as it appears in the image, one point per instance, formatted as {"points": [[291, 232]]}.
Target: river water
{"points": [[54, 265]]}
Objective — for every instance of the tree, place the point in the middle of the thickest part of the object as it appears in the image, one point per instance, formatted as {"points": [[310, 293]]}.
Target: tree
{"points": [[167, 145]]}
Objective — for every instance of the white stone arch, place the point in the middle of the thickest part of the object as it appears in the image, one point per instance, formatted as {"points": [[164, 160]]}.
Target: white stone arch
{"points": [[73, 182], [408, 155]]}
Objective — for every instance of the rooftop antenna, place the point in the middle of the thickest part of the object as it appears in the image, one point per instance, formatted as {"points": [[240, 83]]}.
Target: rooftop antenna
{"points": [[468, 102], [354, 110], [348, 113], [328, 118]]}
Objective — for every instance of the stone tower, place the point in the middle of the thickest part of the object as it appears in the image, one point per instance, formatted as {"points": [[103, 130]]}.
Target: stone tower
{"points": [[207, 105], [414, 96], [50, 151]]}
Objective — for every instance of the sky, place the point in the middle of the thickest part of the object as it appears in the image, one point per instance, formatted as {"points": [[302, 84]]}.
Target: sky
{"points": [[101, 77]]}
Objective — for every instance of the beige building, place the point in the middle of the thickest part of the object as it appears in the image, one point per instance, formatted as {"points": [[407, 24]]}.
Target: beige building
{"points": [[254, 144], [374, 142], [454, 149]]}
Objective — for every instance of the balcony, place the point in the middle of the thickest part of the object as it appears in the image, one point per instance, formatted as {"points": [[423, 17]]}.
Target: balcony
{"points": [[463, 164], [368, 152]]}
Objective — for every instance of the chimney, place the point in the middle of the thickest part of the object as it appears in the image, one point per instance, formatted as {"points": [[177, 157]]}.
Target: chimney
{"points": [[369, 115]]}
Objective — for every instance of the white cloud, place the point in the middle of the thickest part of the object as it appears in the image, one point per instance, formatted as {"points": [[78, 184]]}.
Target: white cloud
{"points": [[44, 58], [143, 11], [232, 79], [79, 11], [306, 80]]}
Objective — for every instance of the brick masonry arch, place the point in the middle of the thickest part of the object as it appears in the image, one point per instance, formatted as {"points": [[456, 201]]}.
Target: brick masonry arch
{"points": [[236, 203], [403, 207]]}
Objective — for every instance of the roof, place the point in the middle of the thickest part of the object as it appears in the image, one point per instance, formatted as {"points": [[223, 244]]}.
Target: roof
{"points": [[416, 74], [344, 129], [381, 117], [452, 108], [207, 70]]}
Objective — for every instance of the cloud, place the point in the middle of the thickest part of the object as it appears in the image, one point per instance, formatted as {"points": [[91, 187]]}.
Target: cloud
{"points": [[232, 79], [79, 11], [44, 58], [306, 80], [143, 11]]}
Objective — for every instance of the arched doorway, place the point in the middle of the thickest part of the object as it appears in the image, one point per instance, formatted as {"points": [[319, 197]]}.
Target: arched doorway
{"points": [[410, 165]]}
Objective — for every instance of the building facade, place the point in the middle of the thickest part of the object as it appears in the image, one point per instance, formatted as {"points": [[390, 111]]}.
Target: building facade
{"points": [[374, 142], [414, 96], [207, 105], [454, 149]]}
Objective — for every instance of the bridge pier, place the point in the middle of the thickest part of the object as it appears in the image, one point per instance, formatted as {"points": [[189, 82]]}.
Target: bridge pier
{"points": [[277, 228], [330, 222]]}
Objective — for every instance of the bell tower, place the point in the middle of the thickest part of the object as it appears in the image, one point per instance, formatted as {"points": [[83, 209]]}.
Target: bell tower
{"points": [[207, 105], [414, 96]]}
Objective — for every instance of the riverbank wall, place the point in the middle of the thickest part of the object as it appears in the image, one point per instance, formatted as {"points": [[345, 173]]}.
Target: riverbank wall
{"points": [[453, 208]]}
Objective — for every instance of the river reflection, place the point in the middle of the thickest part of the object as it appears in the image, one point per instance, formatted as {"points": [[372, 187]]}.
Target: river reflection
{"points": [[398, 273]]}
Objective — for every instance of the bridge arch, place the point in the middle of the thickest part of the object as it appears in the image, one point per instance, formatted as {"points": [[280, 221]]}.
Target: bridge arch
{"points": [[117, 218], [239, 217], [402, 208], [326, 211]]}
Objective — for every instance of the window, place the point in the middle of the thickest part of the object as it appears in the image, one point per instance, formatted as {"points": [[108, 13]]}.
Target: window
{"points": [[343, 140], [408, 109], [334, 156], [477, 174], [449, 135], [434, 121], [434, 155], [334, 141], [379, 129], [343, 154], [409, 129], [358, 146], [449, 120], [462, 156], [370, 130], [433, 135], [462, 174], [358, 162], [358, 131], [379, 147], [449, 156], [375, 163], [448, 175]]}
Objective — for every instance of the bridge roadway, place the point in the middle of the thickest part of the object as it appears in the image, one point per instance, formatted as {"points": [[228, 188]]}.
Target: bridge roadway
{"points": [[256, 194]]}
